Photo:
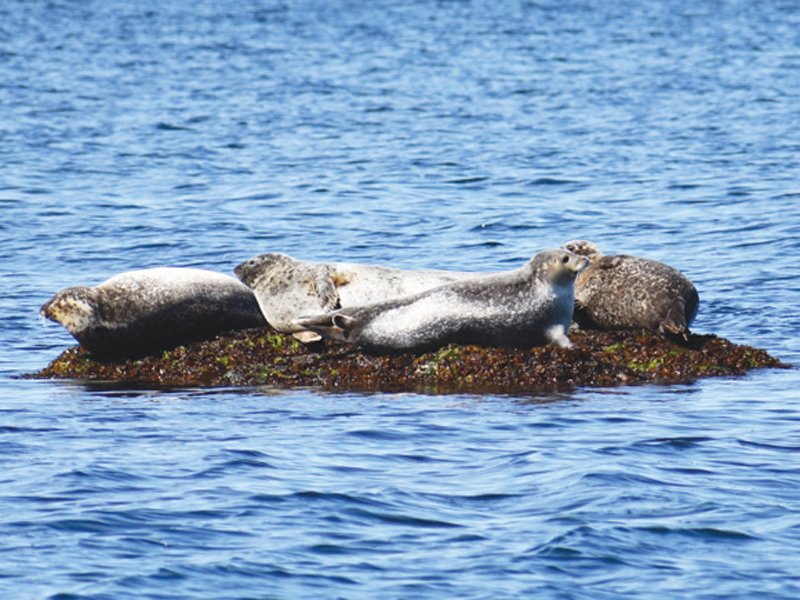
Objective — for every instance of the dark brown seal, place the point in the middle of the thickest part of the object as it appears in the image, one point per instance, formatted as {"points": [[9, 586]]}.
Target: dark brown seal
{"points": [[629, 292]]}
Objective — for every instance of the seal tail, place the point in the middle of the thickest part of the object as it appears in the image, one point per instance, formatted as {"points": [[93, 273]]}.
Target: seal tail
{"points": [[334, 326]]}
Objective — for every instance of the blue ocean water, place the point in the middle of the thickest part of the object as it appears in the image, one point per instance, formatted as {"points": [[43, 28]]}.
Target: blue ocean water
{"points": [[449, 134]]}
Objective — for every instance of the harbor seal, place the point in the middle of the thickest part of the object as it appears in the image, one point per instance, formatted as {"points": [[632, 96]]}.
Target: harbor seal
{"points": [[287, 288], [525, 307], [628, 292], [143, 311]]}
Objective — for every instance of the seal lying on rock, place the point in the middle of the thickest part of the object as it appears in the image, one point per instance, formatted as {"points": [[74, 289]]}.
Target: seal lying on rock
{"points": [[628, 292], [526, 307], [287, 288], [143, 311]]}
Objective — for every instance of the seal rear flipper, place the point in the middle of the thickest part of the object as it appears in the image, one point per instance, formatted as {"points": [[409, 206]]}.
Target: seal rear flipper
{"points": [[306, 337], [675, 321], [335, 326]]}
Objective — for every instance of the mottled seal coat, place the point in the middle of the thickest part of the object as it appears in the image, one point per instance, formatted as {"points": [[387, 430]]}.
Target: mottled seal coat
{"points": [[525, 307], [287, 288], [628, 292], [147, 310]]}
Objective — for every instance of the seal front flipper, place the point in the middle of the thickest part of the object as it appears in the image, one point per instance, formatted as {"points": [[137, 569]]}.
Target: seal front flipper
{"points": [[327, 295], [326, 290], [580, 316], [557, 335], [611, 262]]}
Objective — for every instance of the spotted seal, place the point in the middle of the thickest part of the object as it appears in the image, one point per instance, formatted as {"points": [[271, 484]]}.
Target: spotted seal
{"points": [[628, 292], [525, 307], [287, 288], [147, 310]]}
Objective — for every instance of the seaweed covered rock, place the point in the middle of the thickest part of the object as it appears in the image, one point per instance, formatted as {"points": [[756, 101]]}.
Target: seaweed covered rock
{"points": [[264, 357]]}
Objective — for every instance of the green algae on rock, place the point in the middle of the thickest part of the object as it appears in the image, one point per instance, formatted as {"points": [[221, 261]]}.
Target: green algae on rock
{"points": [[265, 357]]}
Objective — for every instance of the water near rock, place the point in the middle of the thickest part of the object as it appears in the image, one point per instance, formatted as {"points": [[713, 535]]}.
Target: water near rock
{"points": [[461, 135]]}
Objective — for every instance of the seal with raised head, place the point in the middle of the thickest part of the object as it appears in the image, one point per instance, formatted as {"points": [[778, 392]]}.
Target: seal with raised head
{"points": [[287, 288], [147, 310], [526, 307], [629, 292]]}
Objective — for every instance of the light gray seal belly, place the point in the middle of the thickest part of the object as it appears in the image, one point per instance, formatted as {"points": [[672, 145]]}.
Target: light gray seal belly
{"points": [[143, 311], [525, 307], [628, 292], [287, 288]]}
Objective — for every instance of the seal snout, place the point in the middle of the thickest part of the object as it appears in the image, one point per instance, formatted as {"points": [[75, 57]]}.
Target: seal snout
{"points": [[46, 311], [572, 260], [245, 270], [55, 308]]}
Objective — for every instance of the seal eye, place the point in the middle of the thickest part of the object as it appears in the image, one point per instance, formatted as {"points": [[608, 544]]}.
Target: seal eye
{"points": [[564, 260]]}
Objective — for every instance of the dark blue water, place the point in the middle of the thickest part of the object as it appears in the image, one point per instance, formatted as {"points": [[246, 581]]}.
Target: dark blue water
{"points": [[465, 135]]}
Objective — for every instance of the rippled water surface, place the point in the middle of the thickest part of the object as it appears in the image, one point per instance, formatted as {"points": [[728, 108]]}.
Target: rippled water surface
{"points": [[464, 135]]}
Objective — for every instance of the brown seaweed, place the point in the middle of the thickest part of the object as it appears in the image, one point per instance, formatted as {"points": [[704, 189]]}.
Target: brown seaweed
{"points": [[257, 357]]}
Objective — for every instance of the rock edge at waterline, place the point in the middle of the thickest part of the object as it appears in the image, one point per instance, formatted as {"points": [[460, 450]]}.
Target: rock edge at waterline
{"points": [[263, 357]]}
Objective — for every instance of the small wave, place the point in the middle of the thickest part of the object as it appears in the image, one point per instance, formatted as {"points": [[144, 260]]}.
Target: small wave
{"points": [[625, 478], [377, 434], [401, 519], [99, 474], [545, 181], [335, 497], [467, 180], [684, 186], [766, 446], [676, 443], [170, 127], [228, 467], [700, 533]]}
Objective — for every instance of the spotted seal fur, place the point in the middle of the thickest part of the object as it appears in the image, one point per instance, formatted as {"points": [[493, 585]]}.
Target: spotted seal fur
{"points": [[525, 307], [147, 310], [629, 292], [286, 287]]}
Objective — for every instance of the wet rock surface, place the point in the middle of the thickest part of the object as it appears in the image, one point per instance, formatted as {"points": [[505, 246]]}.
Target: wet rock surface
{"points": [[258, 357]]}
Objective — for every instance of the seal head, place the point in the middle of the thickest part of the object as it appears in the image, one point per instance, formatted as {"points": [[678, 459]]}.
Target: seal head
{"points": [[285, 287]]}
